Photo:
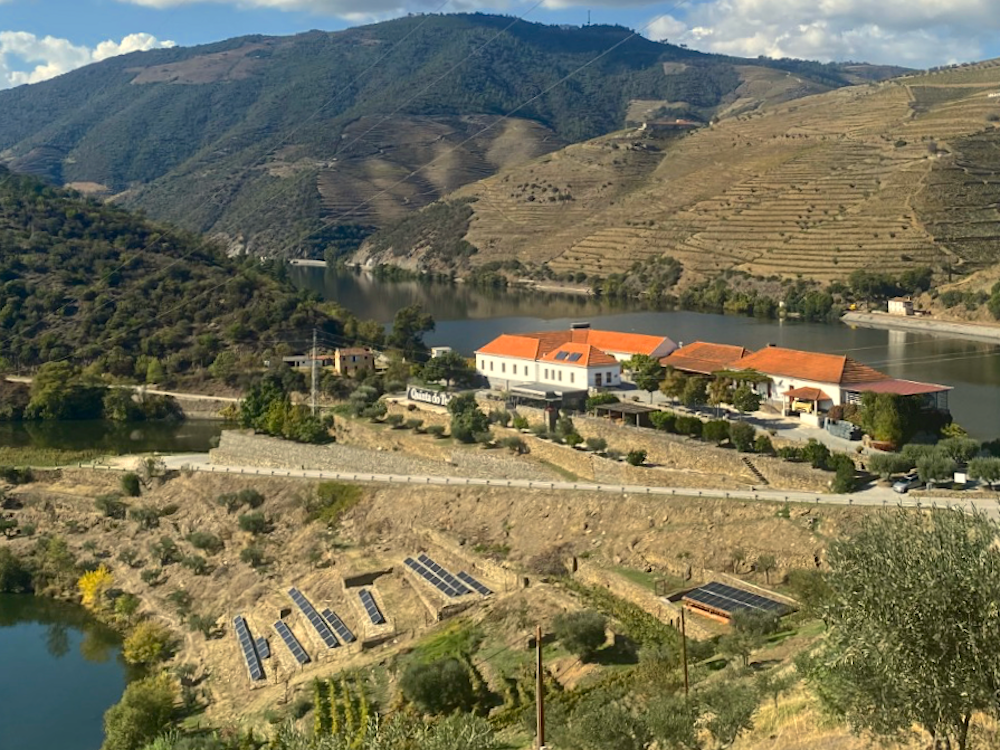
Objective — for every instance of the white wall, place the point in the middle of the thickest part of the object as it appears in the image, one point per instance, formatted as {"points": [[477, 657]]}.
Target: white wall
{"points": [[780, 384], [502, 372]]}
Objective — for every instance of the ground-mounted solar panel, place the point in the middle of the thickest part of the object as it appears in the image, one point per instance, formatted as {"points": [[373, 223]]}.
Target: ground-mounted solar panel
{"points": [[263, 649], [430, 577], [292, 642], [247, 647], [374, 613], [476, 585], [318, 623], [444, 575], [338, 625], [729, 600]]}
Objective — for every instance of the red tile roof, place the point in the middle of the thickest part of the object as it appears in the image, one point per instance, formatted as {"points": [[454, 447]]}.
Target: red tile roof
{"points": [[807, 394], [902, 387], [613, 341], [820, 368], [590, 356], [516, 345], [507, 345], [704, 358]]}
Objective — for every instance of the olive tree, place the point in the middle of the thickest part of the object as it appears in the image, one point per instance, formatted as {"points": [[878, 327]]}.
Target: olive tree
{"points": [[900, 650]]}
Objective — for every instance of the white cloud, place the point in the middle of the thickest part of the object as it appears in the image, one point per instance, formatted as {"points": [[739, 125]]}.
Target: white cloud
{"points": [[26, 58], [906, 32]]}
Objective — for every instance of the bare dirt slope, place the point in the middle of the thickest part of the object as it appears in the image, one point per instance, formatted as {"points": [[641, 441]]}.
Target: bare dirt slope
{"points": [[886, 176]]}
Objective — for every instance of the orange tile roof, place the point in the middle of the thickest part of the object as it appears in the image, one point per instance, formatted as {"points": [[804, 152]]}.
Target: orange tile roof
{"points": [[507, 345], [590, 356], [807, 394], [704, 358], [820, 368], [543, 342], [613, 341]]}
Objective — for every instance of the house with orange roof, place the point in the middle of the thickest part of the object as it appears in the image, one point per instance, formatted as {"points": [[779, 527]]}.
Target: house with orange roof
{"points": [[825, 380], [704, 358]]}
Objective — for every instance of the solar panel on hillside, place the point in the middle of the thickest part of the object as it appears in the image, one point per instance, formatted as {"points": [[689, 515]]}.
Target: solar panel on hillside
{"points": [[444, 575], [263, 649], [480, 588], [727, 599], [371, 607], [292, 642], [247, 646], [319, 625], [337, 624], [575, 357], [428, 576]]}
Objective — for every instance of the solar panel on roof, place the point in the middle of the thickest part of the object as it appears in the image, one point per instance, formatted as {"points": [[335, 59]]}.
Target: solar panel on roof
{"points": [[480, 588], [337, 624], [562, 355], [371, 607], [319, 625], [575, 356], [730, 600], [292, 642], [247, 646]]}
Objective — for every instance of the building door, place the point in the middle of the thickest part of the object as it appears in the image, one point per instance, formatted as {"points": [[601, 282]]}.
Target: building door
{"points": [[597, 380]]}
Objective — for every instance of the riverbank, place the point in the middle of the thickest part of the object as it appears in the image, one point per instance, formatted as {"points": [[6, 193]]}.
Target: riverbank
{"points": [[949, 329]]}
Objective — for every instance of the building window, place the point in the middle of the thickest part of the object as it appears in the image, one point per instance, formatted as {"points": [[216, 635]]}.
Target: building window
{"points": [[503, 367], [513, 369], [491, 366], [482, 364], [560, 376], [572, 377], [546, 371], [609, 377]]}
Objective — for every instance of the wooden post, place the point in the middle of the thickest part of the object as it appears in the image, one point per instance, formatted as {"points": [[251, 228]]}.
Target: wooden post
{"points": [[539, 689], [684, 651]]}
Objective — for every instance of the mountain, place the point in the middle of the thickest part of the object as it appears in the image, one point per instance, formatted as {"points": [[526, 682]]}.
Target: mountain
{"points": [[90, 283], [884, 176], [291, 145]]}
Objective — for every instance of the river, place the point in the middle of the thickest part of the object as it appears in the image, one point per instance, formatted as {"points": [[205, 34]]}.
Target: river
{"points": [[467, 318], [60, 670]]}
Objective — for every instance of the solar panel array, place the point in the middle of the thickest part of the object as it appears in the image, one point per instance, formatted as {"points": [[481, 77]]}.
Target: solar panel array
{"points": [[575, 356], [292, 642], [249, 652], [480, 588], [444, 575], [313, 616], [561, 356], [263, 649], [432, 579], [337, 624], [371, 607], [728, 599]]}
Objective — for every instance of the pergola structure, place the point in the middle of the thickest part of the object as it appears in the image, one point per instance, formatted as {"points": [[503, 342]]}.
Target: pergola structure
{"points": [[627, 413]]}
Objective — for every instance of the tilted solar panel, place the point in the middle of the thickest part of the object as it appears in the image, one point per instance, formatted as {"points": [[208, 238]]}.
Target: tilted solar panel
{"points": [[444, 575], [476, 585], [247, 647], [371, 607], [319, 625], [432, 579], [338, 625], [729, 599], [292, 642], [263, 649]]}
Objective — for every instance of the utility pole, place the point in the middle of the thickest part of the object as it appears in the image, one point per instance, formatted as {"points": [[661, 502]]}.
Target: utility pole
{"points": [[314, 370], [684, 651], [539, 689]]}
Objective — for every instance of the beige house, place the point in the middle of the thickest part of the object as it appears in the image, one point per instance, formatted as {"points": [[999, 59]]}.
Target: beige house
{"points": [[901, 306], [348, 362]]}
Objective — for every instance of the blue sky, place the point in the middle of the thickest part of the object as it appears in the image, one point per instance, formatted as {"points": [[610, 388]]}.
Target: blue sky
{"points": [[43, 38]]}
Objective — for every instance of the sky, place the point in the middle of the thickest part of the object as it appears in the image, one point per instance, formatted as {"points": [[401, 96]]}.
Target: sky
{"points": [[40, 39]]}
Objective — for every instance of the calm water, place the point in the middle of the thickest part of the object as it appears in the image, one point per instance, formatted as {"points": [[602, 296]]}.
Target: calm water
{"points": [[468, 318], [59, 672], [113, 437]]}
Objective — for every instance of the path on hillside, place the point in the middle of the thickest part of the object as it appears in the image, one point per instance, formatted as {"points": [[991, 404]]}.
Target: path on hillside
{"points": [[151, 391], [872, 497]]}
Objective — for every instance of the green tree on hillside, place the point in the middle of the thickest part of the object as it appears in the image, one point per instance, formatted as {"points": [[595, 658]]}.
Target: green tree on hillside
{"points": [[408, 328], [451, 367], [58, 391], [913, 625], [646, 373]]}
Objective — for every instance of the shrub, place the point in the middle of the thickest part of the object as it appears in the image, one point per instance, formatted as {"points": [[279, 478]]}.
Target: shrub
{"points": [[131, 485], [520, 423], [165, 551], [581, 633], [440, 687], [742, 435], [395, 421], [500, 416], [206, 541], [539, 430], [144, 711], [599, 399], [935, 467], [250, 498], [843, 480], [596, 444], [985, 469], [413, 424], [613, 454], [436, 430], [691, 426], [664, 420], [111, 506], [148, 643], [252, 555], [763, 445], [146, 517], [255, 523], [816, 454], [573, 439], [636, 457], [196, 564], [204, 624], [887, 464], [230, 501], [790, 453], [484, 438], [514, 444], [152, 576], [715, 431], [959, 449]]}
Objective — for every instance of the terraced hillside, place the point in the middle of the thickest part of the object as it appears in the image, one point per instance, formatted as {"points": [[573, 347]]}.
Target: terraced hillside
{"points": [[886, 176]]}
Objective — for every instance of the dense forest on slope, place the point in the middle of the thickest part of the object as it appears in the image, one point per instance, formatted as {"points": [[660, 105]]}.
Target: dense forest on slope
{"points": [[91, 284], [252, 136]]}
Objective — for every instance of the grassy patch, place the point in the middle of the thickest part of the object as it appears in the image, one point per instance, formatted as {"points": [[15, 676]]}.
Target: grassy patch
{"points": [[649, 580], [569, 476], [29, 456], [331, 501], [452, 640]]}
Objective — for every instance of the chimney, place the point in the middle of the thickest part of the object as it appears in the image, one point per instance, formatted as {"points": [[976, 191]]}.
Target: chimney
{"points": [[579, 326], [771, 345]]}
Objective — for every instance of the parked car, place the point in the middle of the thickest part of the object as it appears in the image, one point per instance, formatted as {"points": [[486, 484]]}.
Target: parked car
{"points": [[907, 483]]}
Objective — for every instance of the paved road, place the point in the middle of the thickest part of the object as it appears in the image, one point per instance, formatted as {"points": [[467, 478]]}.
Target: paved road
{"points": [[876, 496]]}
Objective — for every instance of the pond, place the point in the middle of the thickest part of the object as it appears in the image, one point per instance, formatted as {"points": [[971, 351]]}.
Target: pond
{"points": [[189, 436], [60, 670], [467, 318]]}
